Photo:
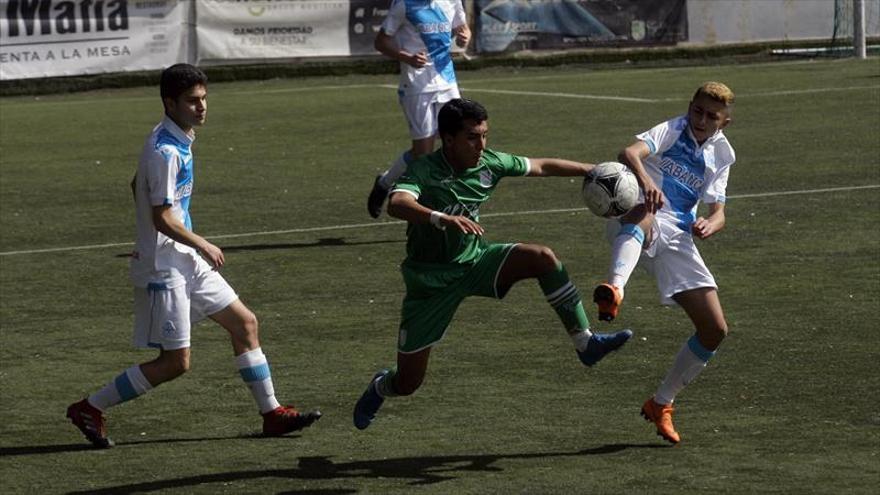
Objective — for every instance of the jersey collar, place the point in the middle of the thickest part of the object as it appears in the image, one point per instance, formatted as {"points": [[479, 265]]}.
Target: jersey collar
{"points": [[711, 139], [176, 131]]}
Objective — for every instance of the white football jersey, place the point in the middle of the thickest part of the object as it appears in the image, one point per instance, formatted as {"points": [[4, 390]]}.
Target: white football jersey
{"points": [[425, 26], [164, 177], [686, 172]]}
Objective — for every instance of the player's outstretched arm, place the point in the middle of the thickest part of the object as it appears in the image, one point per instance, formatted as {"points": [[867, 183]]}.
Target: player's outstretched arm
{"points": [[405, 207], [168, 224], [557, 167], [632, 157], [705, 227]]}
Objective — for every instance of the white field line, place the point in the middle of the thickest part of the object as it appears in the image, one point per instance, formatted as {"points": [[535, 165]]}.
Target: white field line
{"points": [[786, 93], [384, 224], [558, 95], [659, 100]]}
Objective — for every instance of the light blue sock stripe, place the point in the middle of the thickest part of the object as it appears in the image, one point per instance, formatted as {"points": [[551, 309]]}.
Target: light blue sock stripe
{"points": [[697, 348], [124, 387], [255, 373], [633, 230]]}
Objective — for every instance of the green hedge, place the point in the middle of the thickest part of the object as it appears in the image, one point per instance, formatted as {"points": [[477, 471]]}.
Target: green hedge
{"points": [[683, 55]]}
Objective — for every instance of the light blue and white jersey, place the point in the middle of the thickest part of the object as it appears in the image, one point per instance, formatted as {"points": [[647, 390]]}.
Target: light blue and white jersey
{"points": [[685, 171], [164, 177], [425, 26]]}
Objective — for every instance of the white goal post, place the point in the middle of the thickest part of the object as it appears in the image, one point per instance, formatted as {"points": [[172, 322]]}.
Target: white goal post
{"points": [[859, 46]]}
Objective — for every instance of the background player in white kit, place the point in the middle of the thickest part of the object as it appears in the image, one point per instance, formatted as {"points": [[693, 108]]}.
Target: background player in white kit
{"points": [[174, 272], [418, 34], [678, 163]]}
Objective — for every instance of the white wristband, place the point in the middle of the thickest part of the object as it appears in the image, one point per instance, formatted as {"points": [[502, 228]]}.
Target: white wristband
{"points": [[436, 216]]}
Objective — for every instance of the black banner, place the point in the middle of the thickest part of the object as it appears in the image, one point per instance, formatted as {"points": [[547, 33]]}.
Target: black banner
{"points": [[364, 20], [512, 25]]}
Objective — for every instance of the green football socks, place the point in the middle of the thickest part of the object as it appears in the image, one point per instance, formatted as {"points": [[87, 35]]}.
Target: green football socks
{"points": [[565, 299]]}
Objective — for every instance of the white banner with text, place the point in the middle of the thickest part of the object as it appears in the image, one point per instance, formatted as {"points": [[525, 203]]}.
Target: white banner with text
{"points": [[267, 29], [46, 38]]}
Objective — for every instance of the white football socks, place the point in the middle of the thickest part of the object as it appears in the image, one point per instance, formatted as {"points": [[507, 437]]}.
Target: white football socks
{"points": [[625, 251], [254, 370], [130, 384], [397, 169], [689, 363]]}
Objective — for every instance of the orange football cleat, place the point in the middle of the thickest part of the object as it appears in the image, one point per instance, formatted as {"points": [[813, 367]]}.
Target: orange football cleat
{"points": [[661, 416], [609, 299]]}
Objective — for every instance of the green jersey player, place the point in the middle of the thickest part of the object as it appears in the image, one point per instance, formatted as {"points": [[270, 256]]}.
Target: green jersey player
{"points": [[448, 259]]}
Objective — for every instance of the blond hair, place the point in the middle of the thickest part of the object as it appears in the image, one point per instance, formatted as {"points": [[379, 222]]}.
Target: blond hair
{"points": [[716, 91]]}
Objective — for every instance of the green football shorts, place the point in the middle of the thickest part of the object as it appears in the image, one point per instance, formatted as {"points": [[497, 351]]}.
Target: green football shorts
{"points": [[434, 291]]}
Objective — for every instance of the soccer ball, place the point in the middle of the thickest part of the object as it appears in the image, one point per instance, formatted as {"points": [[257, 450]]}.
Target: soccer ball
{"points": [[610, 190]]}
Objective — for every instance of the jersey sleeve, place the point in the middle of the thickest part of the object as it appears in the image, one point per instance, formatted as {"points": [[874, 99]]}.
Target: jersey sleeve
{"points": [[410, 182], [395, 18], [507, 165], [458, 17], [660, 137], [716, 191], [161, 177]]}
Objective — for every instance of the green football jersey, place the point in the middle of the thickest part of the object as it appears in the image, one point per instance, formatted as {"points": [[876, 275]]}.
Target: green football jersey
{"points": [[437, 186]]}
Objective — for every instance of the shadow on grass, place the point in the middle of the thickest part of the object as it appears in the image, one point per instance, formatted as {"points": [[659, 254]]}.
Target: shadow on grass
{"points": [[84, 445], [418, 470], [323, 242]]}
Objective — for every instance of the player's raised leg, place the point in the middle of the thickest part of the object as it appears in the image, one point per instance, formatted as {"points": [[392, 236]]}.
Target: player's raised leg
{"points": [[626, 248], [403, 379], [704, 309], [254, 369], [535, 261]]}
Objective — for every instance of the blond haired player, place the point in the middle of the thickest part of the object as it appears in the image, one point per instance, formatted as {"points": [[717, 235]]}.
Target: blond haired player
{"points": [[678, 163]]}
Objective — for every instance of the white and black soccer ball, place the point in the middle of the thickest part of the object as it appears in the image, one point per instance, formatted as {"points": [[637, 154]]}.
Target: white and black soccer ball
{"points": [[610, 190]]}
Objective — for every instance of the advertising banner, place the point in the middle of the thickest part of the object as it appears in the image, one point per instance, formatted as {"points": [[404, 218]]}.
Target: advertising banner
{"points": [[365, 20], [43, 38], [512, 25], [267, 29]]}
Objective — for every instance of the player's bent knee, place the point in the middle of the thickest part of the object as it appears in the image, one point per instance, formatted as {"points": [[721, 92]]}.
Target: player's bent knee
{"points": [[250, 326], [175, 364], [546, 258]]}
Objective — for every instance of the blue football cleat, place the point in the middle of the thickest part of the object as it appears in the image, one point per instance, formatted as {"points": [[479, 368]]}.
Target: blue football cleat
{"points": [[369, 403], [601, 344]]}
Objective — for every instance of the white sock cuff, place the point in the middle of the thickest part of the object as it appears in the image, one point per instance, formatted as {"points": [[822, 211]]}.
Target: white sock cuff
{"points": [[389, 178], [138, 380], [581, 339], [251, 358]]}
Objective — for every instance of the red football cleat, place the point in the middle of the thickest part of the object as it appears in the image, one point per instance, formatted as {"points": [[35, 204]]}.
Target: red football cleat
{"points": [[285, 419], [90, 421]]}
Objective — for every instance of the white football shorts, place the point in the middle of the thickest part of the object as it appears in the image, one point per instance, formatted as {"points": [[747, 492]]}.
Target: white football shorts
{"points": [[673, 259], [421, 111], [163, 317]]}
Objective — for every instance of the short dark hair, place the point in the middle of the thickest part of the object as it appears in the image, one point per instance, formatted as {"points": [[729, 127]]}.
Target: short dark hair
{"points": [[178, 78], [452, 115]]}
